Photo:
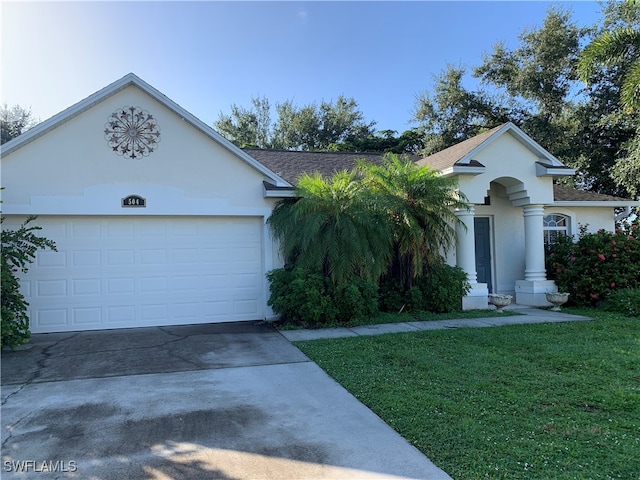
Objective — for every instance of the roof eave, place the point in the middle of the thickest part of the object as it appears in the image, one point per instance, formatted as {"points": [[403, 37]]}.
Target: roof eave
{"points": [[597, 203], [272, 191], [543, 170], [462, 170]]}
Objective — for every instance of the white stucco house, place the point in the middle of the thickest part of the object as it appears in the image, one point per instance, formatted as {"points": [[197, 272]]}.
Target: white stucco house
{"points": [[159, 220]]}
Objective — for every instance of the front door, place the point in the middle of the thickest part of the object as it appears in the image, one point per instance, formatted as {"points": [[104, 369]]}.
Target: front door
{"points": [[483, 250]]}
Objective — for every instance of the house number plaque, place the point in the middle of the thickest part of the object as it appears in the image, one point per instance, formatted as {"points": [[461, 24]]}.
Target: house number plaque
{"points": [[134, 201]]}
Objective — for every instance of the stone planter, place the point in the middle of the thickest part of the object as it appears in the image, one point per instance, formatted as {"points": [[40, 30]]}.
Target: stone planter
{"points": [[500, 301], [557, 299]]}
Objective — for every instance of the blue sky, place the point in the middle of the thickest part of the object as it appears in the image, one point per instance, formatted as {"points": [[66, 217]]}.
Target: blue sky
{"points": [[208, 55]]}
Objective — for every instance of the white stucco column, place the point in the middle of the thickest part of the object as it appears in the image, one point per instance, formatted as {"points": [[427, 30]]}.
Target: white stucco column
{"points": [[534, 243], [531, 290], [465, 246], [478, 295]]}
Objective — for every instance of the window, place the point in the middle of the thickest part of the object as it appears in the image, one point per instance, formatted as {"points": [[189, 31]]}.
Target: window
{"points": [[555, 225]]}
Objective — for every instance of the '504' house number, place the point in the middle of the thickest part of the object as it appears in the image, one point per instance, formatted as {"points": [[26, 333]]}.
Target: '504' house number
{"points": [[134, 201]]}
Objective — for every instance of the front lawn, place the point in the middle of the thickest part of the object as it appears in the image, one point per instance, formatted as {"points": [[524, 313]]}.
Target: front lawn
{"points": [[545, 401]]}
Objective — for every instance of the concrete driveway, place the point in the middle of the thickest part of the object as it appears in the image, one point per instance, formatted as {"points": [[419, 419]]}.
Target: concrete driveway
{"points": [[225, 401]]}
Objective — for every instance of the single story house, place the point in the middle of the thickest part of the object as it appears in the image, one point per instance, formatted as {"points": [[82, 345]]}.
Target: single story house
{"points": [[159, 220]]}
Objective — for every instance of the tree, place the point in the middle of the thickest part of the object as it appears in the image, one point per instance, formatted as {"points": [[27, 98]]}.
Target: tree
{"points": [[334, 228], [614, 53], [14, 121], [453, 114], [385, 141], [312, 127], [529, 86], [387, 219], [536, 86], [619, 47], [420, 204], [248, 127], [541, 70]]}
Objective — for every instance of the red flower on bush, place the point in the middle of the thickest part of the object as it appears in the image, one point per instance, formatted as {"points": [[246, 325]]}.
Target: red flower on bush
{"points": [[580, 265]]}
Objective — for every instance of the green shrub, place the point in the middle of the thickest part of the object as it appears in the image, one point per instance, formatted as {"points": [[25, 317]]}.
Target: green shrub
{"points": [[355, 300], [19, 249], [443, 287], [596, 265], [439, 289], [300, 296], [308, 299], [625, 301], [392, 297]]}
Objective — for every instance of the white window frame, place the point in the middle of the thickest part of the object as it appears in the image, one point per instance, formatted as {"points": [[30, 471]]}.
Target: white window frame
{"points": [[566, 228]]}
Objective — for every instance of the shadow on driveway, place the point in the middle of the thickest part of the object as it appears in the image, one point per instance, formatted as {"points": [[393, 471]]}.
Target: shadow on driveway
{"points": [[219, 401]]}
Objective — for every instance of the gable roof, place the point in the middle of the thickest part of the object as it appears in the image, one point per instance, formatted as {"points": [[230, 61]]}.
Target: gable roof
{"points": [[448, 157], [461, 154], [291, 165], [126, 81]]}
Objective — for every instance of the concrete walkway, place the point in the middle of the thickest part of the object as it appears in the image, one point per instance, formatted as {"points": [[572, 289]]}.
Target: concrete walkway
{"points": [[529, 315]]}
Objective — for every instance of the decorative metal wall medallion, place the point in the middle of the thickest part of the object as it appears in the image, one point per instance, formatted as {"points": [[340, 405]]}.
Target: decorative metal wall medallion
{"points": [[132, 132]]}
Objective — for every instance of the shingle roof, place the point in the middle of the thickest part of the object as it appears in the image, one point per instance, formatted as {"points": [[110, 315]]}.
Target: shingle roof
{"points": [[568, 194], [448, 157], [290, 165]]}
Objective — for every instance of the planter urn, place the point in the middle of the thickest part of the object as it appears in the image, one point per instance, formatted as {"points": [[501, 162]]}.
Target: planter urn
{"points": [[500, 301], [557, 299]]}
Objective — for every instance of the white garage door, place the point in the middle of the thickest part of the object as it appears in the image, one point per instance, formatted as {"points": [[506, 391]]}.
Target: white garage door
{"points": [[117, 272]]}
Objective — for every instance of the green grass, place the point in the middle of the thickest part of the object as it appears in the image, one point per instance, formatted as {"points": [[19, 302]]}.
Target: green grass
{"points": [[545, 401], [385, 317]]}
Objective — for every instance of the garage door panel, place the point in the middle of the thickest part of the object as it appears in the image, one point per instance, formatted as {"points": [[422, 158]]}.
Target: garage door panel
{"points": [[86, 258], [51, 259], [84, 230], [153, 257], [51, 288], [154, 313], [120, 316], [50, 319], [87, 286], [247, 306], [86, 316], [142, 271]]}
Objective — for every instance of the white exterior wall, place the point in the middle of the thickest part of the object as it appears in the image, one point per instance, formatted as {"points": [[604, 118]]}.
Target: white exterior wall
{"points": [[593, 218], [70, 171], [509, 162]]}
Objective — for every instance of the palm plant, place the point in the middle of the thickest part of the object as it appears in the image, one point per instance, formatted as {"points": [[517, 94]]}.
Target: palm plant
{"points": [[333, 227], [611, 49], [420, 204]]}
